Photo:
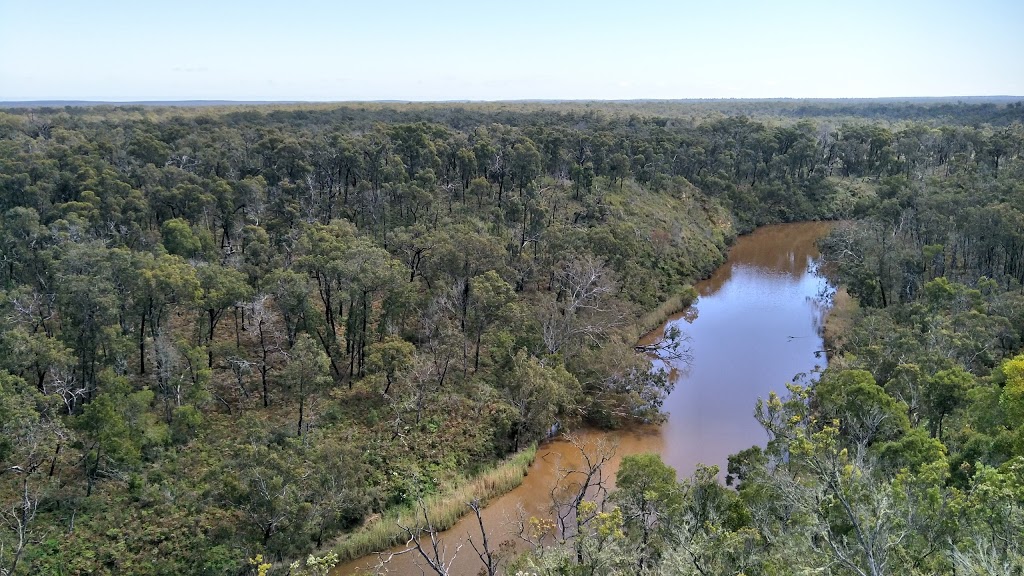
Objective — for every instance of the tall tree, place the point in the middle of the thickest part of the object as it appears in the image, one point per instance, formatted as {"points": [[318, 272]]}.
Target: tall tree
{"points": [[305, 373], [220, 288]]}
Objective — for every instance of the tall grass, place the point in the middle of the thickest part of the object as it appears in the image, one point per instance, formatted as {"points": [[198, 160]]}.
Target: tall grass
{"points": [[655, 318], [838, 321], [444, 509]]}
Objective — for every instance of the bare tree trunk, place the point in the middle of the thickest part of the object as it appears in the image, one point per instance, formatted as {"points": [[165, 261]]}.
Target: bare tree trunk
{"points": [[484, 552]]}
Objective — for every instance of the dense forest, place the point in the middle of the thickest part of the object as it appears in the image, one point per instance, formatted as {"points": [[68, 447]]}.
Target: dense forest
{"points": [[230, 333]]}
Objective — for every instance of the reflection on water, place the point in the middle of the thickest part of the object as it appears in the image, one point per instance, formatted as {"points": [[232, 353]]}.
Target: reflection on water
{"points": [[756, 326]]}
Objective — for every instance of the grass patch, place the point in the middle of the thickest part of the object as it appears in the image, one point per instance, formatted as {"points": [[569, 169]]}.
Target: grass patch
{"points": [[444, 509], [655, 318], [839, 321]]}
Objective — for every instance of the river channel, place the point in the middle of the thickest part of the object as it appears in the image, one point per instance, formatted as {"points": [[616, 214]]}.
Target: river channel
{"points": [[756, 326]]}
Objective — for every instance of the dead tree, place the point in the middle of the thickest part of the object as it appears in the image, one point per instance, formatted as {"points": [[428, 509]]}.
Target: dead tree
{"points": [[435, 553], [484, 552]]}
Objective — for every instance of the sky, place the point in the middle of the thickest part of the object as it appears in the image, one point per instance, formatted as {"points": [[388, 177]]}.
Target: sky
{"points": [[343, 50]]}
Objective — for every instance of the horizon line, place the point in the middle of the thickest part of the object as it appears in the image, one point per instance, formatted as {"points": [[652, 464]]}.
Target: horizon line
{"points": [[46, 103]]}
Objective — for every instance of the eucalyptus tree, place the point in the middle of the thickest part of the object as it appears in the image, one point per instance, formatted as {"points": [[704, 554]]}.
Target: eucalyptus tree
{"points": [[305, 373], [220, 288]]}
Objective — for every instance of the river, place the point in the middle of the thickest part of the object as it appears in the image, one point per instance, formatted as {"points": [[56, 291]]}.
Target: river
{"points": [[756, 326]]}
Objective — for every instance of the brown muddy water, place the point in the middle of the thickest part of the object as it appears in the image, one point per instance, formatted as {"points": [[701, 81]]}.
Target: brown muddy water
{"points": [[756, 326]]}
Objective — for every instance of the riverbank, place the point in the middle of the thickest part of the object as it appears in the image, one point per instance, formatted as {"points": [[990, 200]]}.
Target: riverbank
{"points": [[674, 305], [838, 321], [444, 509], [709, 408]]}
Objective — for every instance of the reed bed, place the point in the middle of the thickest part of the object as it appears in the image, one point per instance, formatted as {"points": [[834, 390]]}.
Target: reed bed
{"points": [[655, 318], [443, 509]]}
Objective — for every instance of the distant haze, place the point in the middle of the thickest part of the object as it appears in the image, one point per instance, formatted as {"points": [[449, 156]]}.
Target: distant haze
{"points": [[308, 50]]}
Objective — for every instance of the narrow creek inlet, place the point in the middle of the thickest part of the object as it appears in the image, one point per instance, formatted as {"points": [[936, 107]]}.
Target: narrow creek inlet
{"points": [[756, 326]]}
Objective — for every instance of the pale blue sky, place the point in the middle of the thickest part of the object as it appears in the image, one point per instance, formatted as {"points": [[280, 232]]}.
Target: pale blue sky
{"points": [[518, 49]]}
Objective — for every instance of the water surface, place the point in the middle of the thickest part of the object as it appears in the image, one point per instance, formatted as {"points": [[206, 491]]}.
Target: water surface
{"points": [[755, 327]]}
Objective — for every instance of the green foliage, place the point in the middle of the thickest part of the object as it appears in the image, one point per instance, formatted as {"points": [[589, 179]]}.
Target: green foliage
{"points": [[185, 424], [1012, 398], [314, 566], [306, 373], [535, 395], [389, 357], [862, 407], [179, 239], [651, 503], [166, 272]]}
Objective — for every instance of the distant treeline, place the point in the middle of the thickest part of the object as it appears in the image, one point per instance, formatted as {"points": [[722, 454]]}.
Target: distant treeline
{"points": [[966, 110]]}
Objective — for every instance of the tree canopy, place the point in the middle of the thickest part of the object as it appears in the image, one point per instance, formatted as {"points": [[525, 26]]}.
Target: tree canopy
{"points": [[231, 332]]}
